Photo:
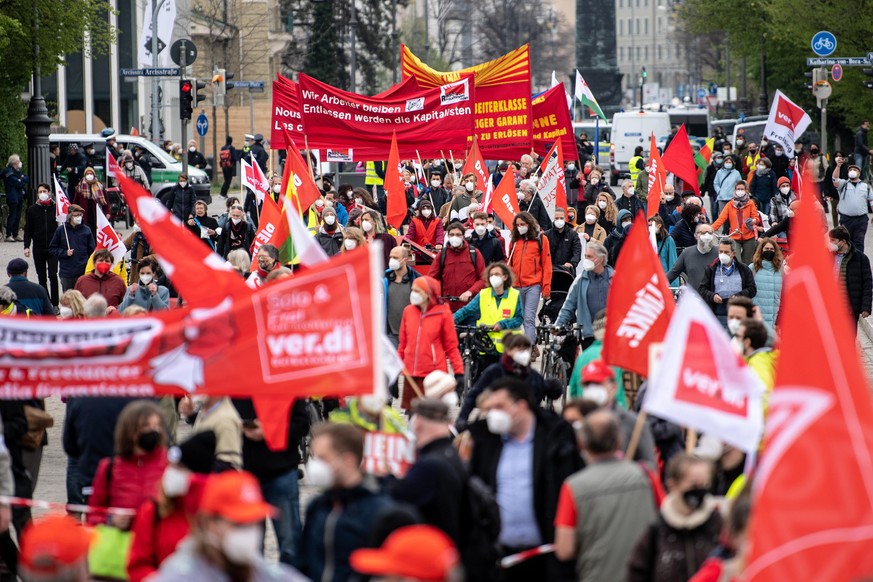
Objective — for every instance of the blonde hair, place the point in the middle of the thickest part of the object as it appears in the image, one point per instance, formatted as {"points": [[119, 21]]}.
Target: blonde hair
{"points": [[75, 301], [611, 210], [356, 234]]}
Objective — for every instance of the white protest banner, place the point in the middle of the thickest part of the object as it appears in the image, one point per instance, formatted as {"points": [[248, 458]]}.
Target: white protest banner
{"points": [[786, 123], [551, 186]]}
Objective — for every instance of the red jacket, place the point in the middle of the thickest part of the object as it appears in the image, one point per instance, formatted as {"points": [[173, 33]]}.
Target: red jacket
{"points": [[133, 481], [110, 285], [423, 231], [531, 264], [459, 274], [427, 339], [155, 537]]}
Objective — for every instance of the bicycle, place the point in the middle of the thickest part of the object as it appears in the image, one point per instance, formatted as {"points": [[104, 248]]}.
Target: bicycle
{"points": [[474, 340], [555, 367]]}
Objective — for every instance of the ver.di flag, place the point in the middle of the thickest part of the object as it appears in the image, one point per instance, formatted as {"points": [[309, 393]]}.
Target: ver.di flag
{"points": [[639, 304], [700, 382], [787, 122], [62, 203], [254, 179], [551, 186], [812, 496]]}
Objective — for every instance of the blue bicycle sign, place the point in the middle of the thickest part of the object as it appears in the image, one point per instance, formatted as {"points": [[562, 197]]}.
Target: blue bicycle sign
{"points": [[824, 43]]}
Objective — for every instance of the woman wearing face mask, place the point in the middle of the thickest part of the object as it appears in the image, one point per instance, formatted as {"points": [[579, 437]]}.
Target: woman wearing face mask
{"points": [[90, 194], [72, 305], [427, 336], [353, 238], [164, 520], [425, 230], [780, 201], [373, 227], [687, 530], [330, 234], [202, 225], [608, 212], [130, 477], [590, 229], [237, 233], [530, 259], [133, 171], [741, 216], [664, 244], [615, 240], [362, 199], [765, 185], [726, 178], [597, 185], [683, 232], [146, 292], [767, 265], [266, 261]]}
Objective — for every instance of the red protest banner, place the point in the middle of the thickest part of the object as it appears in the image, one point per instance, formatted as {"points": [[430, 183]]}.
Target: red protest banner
{"points": [[286, 118], [503, 110], [427, 121], [387, 454], [504, 200], [657, 178], [272, 229], [552, 122]]}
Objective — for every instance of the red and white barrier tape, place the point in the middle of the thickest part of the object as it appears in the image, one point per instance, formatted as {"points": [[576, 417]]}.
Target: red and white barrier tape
{"points": [[513, 559], [70, 507]]}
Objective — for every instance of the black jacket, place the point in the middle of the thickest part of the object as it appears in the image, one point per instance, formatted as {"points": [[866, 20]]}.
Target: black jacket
{"points": [[555, 458], [855, 275], [259, 154], [39, 226], [181, 201], [196, 159], [245, 236], [234, 156], [31, 295], [258, 459], [565, 246], [331, 242], [683, 234], [861, 147], [538, 210], [490, 246], [632, 204], [707, 286]]}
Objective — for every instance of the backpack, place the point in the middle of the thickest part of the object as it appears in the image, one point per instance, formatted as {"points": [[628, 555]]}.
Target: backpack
{"points": [[225, 159], [480, 529], [443, 257]]}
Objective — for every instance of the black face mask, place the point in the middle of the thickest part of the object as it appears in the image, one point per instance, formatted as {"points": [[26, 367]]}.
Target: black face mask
{"points": [[693, 498], [148, 441], [768, 255]]}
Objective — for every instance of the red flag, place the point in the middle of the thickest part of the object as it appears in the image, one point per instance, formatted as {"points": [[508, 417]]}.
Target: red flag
{"points": [[657, 178], [394, 189], [112, 168], [272, 229], [475, 164], [297, 183], [639, 305], [813, 493], [679, 159], [504, 200]]}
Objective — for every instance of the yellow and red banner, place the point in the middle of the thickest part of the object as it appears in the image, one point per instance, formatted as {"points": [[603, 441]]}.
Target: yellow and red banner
{"points": [[552, 122], [503, 104]]}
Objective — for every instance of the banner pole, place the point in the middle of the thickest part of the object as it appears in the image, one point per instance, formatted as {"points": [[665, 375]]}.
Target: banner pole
{"points": [[690, 440], [597, 140], [418, 155], [452, 167], [66, 236], [636, 434]]}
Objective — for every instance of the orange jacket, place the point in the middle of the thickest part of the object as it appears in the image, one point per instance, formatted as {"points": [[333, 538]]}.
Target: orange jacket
{"points": [[530, 264], [427, 339], [736, 219]]}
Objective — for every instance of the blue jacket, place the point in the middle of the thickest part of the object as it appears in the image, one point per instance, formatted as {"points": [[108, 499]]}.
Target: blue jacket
{"points": [[31, 295], [337, 523], [342, 215], [724, 183], [667, 254], [81, 241], [769, 295], [144, 298], [14, 182], [577, 301]]}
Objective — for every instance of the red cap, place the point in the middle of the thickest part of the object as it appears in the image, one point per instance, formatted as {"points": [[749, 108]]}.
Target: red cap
{"points": [[54, 543], [783, 180], [597, 372], [235, 496], [422, 552]]}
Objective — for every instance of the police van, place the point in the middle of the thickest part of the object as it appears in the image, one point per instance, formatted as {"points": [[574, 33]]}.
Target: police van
{"points": [[629, 130]]}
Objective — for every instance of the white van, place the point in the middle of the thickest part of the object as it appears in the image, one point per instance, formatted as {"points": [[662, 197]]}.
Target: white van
{"points": [[631, 129]]}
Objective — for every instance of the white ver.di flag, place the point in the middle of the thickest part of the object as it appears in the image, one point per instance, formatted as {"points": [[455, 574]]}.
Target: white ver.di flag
{"points": [[787, 122]]}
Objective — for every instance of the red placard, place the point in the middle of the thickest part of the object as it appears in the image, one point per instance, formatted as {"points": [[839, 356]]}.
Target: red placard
{"points": [[551, 122]]}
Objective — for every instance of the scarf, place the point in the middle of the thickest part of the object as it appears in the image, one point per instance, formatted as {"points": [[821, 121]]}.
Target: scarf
{"points": [[742, 201]]}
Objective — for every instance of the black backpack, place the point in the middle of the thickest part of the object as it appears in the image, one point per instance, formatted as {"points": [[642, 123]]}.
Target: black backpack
{"points": [[480, 529]]}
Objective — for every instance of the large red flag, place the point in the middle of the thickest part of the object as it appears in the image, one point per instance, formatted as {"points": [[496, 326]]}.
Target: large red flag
{"points": [[297, 183], [475, 164], [504, 200], [679, 159], [657, 178], [272, 229], [639, 305], [394, 188], [812, 511]]}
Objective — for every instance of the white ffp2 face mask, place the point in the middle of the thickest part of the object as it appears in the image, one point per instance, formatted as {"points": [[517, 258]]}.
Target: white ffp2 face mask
{"points": [[499, 421], [242, 544], [175, 482], [318, 473]]}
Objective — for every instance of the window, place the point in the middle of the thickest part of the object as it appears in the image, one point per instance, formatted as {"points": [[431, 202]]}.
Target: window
{"points": [[620, 54], [678, 52], [621, 3], [659, 52], [621, 28], [638, 24], [668, 52], [638, 53], [646, 53], [645, 26], [660, 24]]}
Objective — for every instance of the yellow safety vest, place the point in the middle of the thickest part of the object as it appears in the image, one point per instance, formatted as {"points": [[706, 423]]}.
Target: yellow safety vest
{"points": [[634, 170], [372, 178], [391, 421], [490, 313]]}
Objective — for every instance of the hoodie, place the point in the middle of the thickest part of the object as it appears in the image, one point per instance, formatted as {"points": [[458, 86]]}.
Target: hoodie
{"points": [[615, 240]]}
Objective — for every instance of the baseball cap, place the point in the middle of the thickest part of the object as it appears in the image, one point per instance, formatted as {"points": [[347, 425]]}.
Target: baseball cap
{"points": [[16, 267], [235, 496], [52, 544], [597, 372], [422, 552]]}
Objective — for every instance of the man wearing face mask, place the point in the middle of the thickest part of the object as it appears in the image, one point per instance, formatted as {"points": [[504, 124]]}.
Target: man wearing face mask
{"points": [[780, 201], [458, 268], [180, 199], [133, 171], [397, 287], [723, 184], [725, 278], [225, 542], [330, 233], [339, 520], [267, 259], [854, 202], [14, 183], [571, 175], [588, 293], [39, 227], [102, 280], [486, 240], [628, 199], [775, 153], [752, 337], [564, 243], [195, 158], [523, 453], [687, 529], [604, 508], [853, 268], [530, 201], [616, 238], [435, 192], [692, 262], [236, 234], [670, 206], [462, 202], [202, 225], [72, 244]]}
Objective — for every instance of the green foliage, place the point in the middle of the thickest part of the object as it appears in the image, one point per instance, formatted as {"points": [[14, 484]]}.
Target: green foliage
{"points": [[12, 140], [784, 29]]}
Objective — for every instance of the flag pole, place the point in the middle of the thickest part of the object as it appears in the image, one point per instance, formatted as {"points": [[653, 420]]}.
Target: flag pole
{"points": [[452, 167], [418, 155], [596, 140], [636, 435], [690, 440], [66, 236]]}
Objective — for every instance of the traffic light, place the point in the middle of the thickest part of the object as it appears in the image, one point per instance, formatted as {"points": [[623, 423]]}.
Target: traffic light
{"points": [[199, 93], [868, 73], [228, 85], [220, 85], [808, 75], [643, 75], [186, 99]]}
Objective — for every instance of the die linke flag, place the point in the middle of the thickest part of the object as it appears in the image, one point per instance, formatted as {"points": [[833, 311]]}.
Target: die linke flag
{"points": [[701, 383], [657, 178], [786, 122], [639, 305], [475, 164], [679, 159], [812, 496], [504, 199]]}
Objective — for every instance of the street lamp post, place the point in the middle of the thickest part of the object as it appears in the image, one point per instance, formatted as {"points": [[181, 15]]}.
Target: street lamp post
{"points": [[37, 123], [763, 106], [156, 122], [353, 59]]}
